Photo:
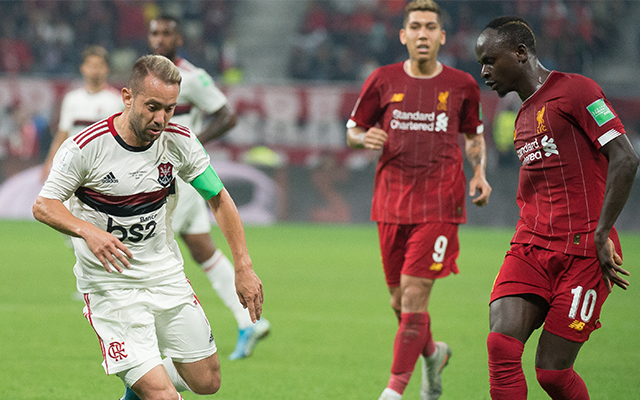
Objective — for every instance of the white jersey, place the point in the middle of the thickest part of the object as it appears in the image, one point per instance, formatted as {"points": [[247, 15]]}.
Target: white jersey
{"points": [[81, 108], [126, 191], [198, 94]]}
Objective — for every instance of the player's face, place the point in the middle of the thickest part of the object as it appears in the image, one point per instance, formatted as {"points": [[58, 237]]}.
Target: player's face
{"points": [[164, 38], [500, 66], [422, 35], [94, 70], [151, 109]]}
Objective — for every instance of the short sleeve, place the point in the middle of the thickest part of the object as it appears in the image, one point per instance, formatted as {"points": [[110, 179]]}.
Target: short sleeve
{"points": [[68, 172], [66, 117], [593, 112], [471, 111], [367, 111], [204, 93], [195, 160]]}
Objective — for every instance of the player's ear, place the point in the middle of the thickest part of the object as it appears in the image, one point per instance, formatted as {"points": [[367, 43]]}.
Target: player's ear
{"points": [[443, 37], [127, 97], [522, 53], [403, 36]]}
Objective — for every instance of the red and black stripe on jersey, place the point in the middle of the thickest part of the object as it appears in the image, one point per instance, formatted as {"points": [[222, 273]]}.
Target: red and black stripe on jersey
{"points": [[92, 132], [125, 206]]}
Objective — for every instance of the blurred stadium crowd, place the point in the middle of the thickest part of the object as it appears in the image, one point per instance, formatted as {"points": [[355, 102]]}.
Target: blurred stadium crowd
{"points": [[324, 49], [343, 40], [337, 40], [47, 36]]}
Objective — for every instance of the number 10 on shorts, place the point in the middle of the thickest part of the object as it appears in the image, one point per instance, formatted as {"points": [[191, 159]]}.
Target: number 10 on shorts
{"points": [[588, 303]]}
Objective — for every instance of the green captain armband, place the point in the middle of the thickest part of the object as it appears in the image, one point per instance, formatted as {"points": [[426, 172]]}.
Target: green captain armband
{"points": [[207, 183]]}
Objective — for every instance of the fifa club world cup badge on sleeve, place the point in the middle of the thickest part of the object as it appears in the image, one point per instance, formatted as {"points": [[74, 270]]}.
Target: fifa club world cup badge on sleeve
{"points": [[165, 174]]}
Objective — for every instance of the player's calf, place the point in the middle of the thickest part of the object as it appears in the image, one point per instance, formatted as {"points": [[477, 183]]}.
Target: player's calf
{"points": [[506, 377], [563, 384]]}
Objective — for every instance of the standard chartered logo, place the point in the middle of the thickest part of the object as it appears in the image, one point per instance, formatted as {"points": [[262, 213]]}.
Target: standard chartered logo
{"points": [[531, 151], [548, 146], [417, 121]]}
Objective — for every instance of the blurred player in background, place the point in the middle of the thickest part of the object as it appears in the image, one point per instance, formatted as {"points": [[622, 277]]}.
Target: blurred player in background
{"points": [[198, 95], [414, 111], [577, 170], [119, 176], [86, 105]]}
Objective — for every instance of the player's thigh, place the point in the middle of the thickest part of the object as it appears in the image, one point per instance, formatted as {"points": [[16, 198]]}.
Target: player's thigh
{"points": [[125, 327], [577, 299], [555, 352], [432, 250], [183, 331], [392, 239]]}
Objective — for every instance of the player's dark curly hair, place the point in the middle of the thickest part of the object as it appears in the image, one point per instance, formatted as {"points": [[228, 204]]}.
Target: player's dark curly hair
{"points": [[516, 31]]}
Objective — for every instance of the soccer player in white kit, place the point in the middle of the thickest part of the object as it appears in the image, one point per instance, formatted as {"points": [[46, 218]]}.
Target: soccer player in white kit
{"points": [[84, 106], [120, 176], [199, 95]]}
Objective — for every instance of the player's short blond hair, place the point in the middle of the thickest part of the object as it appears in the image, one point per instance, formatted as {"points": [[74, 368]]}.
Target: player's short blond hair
{"points": [[95, 50], [422, 5], [153, 64]]}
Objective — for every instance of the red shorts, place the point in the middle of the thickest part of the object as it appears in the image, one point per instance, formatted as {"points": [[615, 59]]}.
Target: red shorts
{"points": [[425, 250], [572, 285]]}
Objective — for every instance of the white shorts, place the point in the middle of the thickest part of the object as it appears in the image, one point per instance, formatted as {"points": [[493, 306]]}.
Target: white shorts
{"points": [[191, 215], [135, 326]]}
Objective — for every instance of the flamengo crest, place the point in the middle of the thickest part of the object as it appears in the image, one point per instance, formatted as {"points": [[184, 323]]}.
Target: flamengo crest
{"points": [[116, 351], [165, 174]]}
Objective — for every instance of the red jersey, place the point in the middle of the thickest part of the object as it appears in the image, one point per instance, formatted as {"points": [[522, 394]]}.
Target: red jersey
{"points": [[420, 175], [559, 132]]}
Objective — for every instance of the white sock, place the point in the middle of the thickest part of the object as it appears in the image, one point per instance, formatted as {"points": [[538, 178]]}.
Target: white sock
{"points": [[221, 274], [390, 394], [175, 377]]}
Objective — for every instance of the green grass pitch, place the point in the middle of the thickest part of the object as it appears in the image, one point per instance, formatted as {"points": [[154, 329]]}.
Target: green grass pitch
{"points": [[332, 327]]}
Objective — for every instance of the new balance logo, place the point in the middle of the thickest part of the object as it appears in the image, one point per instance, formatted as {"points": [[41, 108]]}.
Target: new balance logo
{"points": [[577, 325], [110, 178]]}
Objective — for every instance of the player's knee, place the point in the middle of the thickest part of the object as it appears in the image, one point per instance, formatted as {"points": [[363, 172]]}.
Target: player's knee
{"points": [[208, 383], [561, 383], [414, 298], [503, 349]]}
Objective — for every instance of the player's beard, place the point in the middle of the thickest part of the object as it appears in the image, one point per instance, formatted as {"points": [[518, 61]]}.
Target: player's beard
{"points": [[141, 130]]}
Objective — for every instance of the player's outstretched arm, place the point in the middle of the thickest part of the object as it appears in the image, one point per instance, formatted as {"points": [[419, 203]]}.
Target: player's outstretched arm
{"points": [[476, 152], [248, 285], [57, 141], [623, 165], [372, 139], [106, 247], [220, 123]]}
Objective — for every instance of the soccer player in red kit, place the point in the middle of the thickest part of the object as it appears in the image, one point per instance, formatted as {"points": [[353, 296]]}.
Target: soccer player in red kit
{"points": [[415, 111], [577, 170]]}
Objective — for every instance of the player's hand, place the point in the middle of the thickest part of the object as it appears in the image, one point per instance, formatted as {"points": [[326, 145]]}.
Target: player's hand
{"points": [[249, 289], [480, 184], [108, 249], [610, 263], [374, 138]]}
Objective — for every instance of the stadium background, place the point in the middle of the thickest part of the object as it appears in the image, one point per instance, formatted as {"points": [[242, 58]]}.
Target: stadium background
{"points": [[292, 71]]}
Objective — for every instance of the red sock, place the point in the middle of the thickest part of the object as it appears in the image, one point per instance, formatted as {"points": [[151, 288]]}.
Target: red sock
{"points": [[564, 384], [410, 340], [399, 382], [506, 378]]}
